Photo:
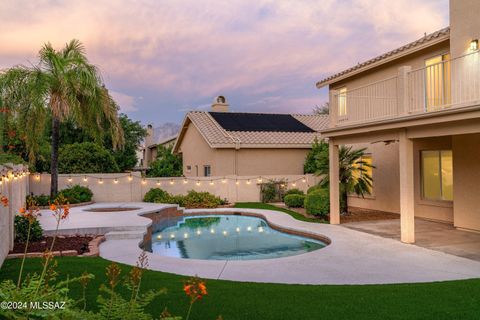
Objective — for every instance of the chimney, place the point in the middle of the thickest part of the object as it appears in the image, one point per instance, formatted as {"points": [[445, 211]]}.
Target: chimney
{"points": [[220, 104]]}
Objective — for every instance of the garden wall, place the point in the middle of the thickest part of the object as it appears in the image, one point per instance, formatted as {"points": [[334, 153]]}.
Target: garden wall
{"points": [[15, 188], [132, 187]]}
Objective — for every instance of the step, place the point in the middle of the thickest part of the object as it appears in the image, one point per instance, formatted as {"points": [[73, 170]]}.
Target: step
{"points": [[120, 235]]}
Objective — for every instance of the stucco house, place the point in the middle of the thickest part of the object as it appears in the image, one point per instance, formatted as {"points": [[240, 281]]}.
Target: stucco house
{"points": [[417, 109], [221, 143], [150, 150]]}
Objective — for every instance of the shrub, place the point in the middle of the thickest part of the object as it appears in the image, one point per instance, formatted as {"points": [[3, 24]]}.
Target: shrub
{"points": [[294, 191], [11, 158], [41, 200], [195, 199], [167, 164], [313, 188], [157, 195], [77, 194], [21, 229], [294, 200], [317, 202], [86, 157]]}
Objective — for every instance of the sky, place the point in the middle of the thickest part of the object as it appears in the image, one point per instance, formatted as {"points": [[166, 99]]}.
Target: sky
{"points": [[161, 58]]}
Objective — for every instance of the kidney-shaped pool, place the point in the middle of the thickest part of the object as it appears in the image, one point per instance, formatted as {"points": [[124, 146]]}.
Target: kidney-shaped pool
{"points": [[227, 237]]}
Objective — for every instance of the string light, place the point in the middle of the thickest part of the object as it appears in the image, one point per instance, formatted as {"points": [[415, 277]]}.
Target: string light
{"points": [[224, 180], [37, 177], [159, 183], [185, 181], [304, 180], [212, 183], [197, 183], [171, 181], [85, 179], [294, 184], [70, 179], [115, 181], [144, 181], [100, 181], [237, 182], [1, 181], [248, 181], [259, 180], [15, 177], [130, 178]]}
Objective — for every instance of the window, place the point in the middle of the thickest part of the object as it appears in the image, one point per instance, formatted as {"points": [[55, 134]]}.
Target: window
{"points": [[207, 171], [342, 102], [437, 82], [437, 175], [189, 168]]}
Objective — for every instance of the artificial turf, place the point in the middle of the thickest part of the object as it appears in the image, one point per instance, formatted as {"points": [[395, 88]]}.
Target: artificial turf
{"points": [[241, 300], [260, 205]]}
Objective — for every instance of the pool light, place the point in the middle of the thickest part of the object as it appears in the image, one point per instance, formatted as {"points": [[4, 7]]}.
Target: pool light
{"points": [[249, 228], [212, 231], [159, 237], [224, 233], [199, 232], [172, 235], [260, 229], [237, 229], [185, 235]]}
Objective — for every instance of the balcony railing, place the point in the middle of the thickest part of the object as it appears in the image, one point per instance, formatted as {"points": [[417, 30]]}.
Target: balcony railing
{"points": [[453, 83]]}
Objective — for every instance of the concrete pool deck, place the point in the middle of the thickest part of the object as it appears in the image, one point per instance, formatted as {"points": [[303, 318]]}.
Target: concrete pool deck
{"points": [[353, 257]]}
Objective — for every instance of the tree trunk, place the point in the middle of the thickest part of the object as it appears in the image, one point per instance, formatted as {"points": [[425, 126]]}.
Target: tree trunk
{"points": [[345, 202], [54, 158]]}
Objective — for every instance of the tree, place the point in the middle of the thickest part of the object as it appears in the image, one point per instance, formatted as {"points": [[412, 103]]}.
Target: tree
{"points": [[86, 157], [354, 170], [167, 164], [134, 132], [66, 86], [324, 109]]}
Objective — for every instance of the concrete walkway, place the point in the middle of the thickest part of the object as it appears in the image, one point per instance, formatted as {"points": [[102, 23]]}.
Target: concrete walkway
{"points": [[428, 234], [352, 258]]}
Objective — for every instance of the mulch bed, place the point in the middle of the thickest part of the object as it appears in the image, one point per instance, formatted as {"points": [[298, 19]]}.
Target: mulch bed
{"points": [[359, 214], [78, 243]]}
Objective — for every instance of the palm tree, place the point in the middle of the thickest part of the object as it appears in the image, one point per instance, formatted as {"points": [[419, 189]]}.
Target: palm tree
{"points": [[62, 86], [354, 171]]}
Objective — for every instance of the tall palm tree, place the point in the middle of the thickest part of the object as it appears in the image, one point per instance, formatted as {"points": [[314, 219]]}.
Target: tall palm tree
{"points": [[62, 86], [354, 172]]}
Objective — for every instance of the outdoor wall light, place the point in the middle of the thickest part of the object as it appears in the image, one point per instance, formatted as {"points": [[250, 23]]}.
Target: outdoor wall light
{"points": [[474, 45]]}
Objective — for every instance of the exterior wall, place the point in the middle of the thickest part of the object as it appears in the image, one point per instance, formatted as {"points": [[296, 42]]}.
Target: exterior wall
{"points": [[415, 60], [466, 179], [386, 181], [197, 153], [247, 189], [464, 25], [15, 191]]}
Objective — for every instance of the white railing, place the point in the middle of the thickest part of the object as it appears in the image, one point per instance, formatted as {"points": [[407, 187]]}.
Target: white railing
{"points": [[375, 101], [449, 84]]}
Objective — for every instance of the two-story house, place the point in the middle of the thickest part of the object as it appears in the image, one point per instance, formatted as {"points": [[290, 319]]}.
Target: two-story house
{"points": [[417, 109]]}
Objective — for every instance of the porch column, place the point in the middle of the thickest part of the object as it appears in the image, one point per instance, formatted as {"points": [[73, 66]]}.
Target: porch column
{"points": [[407, 204], [334, 183]]}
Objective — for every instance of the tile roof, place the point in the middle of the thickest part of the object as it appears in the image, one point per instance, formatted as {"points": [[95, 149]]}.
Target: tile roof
{"points": [[412, 45], [217, 137]]}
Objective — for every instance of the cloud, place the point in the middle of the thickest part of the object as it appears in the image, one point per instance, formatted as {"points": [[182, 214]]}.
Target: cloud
{"points": [[126, 102], [183, 53]]}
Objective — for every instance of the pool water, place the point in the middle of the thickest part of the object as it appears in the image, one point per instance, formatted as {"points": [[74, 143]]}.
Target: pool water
{"points": [[227, 237]]}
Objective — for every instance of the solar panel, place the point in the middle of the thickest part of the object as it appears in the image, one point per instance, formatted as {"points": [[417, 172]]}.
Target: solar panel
{"points": [[235, 121]]}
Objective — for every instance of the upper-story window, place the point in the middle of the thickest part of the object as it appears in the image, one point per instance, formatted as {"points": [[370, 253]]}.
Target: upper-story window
{"points": [[437, 82], [342, 101]]}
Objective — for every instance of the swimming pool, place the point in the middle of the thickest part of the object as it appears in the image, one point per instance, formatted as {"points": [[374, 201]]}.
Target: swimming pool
{"points": [[227, 237]]}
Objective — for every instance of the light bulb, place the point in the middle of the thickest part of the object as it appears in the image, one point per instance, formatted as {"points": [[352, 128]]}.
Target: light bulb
{"points": [[159, 183], [224, 180], [69, 179], [172, 235], [100, 181], [212, 231], [171, 181], [249, 228], [259, 180], [144, 181], [248, 181], [185, 235], [224, 233], [260, 229], [237, 229], [199, 232], [198, 183], [115, 181], [211, 183], [185, 181], [159, 236], [84, 178]]}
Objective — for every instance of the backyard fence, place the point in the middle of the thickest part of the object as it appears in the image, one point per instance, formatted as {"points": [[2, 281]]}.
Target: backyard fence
{"points": [[118, 187], [14, 186]]}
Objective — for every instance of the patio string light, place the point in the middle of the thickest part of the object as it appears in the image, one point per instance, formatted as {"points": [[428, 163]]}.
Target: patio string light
{"points": [[118, 179]]}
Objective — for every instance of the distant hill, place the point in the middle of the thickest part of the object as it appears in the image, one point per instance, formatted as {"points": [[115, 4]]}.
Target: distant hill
{"points": [[164, 131]]}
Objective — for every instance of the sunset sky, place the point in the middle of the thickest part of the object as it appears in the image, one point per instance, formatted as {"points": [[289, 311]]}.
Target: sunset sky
{"points": [[162, 58]]}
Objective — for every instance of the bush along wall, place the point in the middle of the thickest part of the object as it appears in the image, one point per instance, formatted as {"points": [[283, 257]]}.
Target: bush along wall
{"points": [[73, 195], [317, 202], [192, 199]]}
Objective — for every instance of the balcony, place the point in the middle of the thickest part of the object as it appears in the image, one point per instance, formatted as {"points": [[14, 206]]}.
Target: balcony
{"points": [[449, 84]]}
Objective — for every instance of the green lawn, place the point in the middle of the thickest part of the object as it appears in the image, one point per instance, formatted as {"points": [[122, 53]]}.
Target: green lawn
{"points": [[260, 205], [237, 300]]}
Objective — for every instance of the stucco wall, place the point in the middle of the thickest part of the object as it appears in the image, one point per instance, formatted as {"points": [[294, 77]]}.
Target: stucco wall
{"points": [[415, 60], [466, 181], [464, 24], [15, 190], [125, 189], [386, 182], [252, 161]]}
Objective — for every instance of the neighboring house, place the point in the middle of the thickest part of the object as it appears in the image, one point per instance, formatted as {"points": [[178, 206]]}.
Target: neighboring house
{"points": [[221, 143], [417, 109], [149, 152]]}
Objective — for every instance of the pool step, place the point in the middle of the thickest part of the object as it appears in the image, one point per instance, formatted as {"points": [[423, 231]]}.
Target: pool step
{"points": [[120, 235]]}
